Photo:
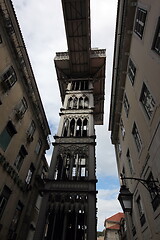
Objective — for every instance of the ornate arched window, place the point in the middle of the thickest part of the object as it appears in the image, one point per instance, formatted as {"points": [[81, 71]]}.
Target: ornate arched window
{"points": [[70, 103], [72, 127], [65, 128], [85, 127], [75, 101], [86, 102], [81, 103], [79, 128]]}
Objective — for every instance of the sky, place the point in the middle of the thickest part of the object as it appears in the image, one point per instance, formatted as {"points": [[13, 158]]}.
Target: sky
{"points": [[42, 27]]}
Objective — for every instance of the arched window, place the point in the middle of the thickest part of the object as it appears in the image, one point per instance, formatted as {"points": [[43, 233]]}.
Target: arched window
{"points": [[85, 128], [72, 126], [70, 103], [86, 102], [65, 128], [59, 167], [81, 103], [75, 100], [66, 169], [78, 128]]}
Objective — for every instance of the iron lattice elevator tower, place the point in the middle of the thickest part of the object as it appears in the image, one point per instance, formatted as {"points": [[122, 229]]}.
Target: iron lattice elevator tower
{"points": [[69, 204]]}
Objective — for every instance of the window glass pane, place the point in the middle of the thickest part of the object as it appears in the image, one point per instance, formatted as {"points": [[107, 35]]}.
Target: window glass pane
{"points": [[137, 138], [38, 146], [31, 129], [140, 21], [21, 108], [131, 71], [126, 105], [15, 220], [6, 135], [4, 196], [156, 42], [20, 157], [147, 101]]}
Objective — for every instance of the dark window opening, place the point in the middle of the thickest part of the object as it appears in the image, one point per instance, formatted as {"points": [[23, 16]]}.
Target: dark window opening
{"points": [[126, 105], [9, 78], [65, 128], [15, 220], [4, 196], [137, 137], [141, 211], [79, 85], [154, 191], [6, 135], [80, 103], [131, 71], [75, 101], [70, 103], [85, 127], [20, 157], [79, 128], [140, 22], [86, 102], [72, 125], [156, 41]]}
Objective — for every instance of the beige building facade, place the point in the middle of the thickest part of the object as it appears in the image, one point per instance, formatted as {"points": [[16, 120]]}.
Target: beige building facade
{"points": [[135, 113], [23, 133]]}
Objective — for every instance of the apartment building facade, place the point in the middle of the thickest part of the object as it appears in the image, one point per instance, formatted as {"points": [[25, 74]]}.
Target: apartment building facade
{"points": [[135, 113], [24, 133]]}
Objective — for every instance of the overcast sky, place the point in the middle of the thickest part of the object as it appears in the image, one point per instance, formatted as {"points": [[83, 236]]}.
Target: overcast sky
{"points": [[42, 26]]}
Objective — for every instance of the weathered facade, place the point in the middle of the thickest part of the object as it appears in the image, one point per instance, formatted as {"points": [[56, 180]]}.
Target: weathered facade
{"points": [[135, 112], [23, 133], [70, 193]]}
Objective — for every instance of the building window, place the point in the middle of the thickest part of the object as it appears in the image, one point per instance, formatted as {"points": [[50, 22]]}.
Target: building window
{"points": [[129, 161], [140, 22], [154, 192], [21, 108], [30, 174], [141, 211], [20, 157], [4, 196], [38, 147], [30, 131], [9, 78], [147, 101], [6, 135], [156, 42], [137, 138], [15, 221], [131, 71], [122, 128], [126, 105]]}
